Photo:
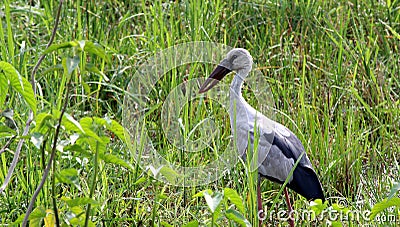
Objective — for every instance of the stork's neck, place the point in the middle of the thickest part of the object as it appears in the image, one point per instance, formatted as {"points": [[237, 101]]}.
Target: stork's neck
{"points": [[236, 86], [235, 95]]}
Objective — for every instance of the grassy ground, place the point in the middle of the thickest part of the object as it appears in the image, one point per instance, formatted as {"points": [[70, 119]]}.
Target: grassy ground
{"points": [[333, 69]]}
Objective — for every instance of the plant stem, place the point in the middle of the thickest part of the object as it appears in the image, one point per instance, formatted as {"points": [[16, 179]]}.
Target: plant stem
{"points": [[30, 117], [53, 154], [53, 195], [96, 160]]}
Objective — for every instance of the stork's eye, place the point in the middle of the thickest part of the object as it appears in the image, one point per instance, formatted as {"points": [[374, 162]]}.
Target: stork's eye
{"points": [[233, 58]]}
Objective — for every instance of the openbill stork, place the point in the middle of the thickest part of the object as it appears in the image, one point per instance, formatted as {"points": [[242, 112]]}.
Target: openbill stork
{"points": [[278, 147]]}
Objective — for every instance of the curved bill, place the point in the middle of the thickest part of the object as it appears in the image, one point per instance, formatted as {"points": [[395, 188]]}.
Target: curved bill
{"points": [[216, 76]]}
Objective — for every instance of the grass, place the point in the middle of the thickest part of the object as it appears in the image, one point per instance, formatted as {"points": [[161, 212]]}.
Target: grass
{"points": [[332, 67]]}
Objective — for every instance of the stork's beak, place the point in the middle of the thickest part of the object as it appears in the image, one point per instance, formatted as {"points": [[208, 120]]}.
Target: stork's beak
{"points": [[216, 76]]}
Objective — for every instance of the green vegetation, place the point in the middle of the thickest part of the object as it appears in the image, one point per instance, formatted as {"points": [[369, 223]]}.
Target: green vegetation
{"points": [[333, 69]]}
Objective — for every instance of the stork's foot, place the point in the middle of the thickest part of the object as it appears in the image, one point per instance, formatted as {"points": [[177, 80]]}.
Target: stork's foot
{"points": [[260, 213], [290, 209]]}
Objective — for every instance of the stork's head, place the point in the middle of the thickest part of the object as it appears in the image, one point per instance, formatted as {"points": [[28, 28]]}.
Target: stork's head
{"points": [[237, 59]]}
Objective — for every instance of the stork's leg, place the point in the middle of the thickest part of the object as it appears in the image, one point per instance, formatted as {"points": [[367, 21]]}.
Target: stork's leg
{"points": [[260, 213], [291, 219]]}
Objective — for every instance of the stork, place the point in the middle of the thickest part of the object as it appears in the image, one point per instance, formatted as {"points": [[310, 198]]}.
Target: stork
{"points": [[278, 148]]}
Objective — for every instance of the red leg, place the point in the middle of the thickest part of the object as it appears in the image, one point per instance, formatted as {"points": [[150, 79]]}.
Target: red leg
{"points": [[260, 213], [291, 219]]}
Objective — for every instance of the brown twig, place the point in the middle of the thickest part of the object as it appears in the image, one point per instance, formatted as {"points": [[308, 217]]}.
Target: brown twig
{"points": [[53, 196], [53, 34], [7, 144]]}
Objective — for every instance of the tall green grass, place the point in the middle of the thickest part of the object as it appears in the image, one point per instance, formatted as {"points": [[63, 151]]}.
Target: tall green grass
{"points": [[333, 69]]}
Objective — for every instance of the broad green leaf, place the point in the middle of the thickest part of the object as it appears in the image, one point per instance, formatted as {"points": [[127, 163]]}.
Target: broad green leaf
{"points": [[201, 194], [69, 176], [118, 130], [35, 221], [317, 206], [56, 113], [75, 221], [100, 121], [8, 114], [41, 119], [237, 217], [20, 84], [71, 124], [80, 201], [87, 124], [72, 64], [110, 158], [19, 219], [38, 213], [336, 224], [96, 146], [37, 139], [394, 190], [79, 220], [379, 207], [213, 201], [111, 125], [95, 49], [93, 69], [77, 210], [34, 218], [6, 131], [76, 147], [234, 197], [171, 175], [339, 207], [192, 224], [3, 88], [60, 46]]}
